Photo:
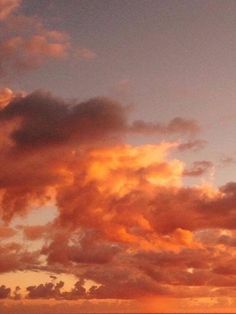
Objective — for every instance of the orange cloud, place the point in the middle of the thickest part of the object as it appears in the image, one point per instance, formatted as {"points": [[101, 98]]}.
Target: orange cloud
{"points": [[6, 232], [124, 214], [21, 49], [23, 53], [7, 7], [6, 95]]}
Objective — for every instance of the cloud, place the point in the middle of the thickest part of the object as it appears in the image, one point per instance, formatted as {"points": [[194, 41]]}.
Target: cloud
{"points": [[6, 95], [46, 133], [35, 232], [78, 292], [227, 161], [7, 7], [45, 291], [26, 43], [227, 240], [194, 145], [46, 120], [19, 53], [15, 256], [51, 290], [43, 124], [129, 285], [92, 249], [4, 292], [198, 168], [6, 232], [126, 226], [177, 125]]}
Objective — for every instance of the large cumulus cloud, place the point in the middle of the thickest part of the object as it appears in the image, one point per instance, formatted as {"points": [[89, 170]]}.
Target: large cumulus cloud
{"points": [[126, 224]]}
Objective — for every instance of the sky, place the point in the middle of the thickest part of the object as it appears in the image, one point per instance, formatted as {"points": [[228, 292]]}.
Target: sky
{"points": [[117, 164]]}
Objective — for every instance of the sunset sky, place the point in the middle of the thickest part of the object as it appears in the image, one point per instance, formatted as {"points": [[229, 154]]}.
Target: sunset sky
{"points": [[117, 156]]}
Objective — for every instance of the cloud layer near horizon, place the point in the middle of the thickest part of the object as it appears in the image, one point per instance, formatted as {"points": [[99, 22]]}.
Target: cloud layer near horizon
{"points": [[126, 222]]}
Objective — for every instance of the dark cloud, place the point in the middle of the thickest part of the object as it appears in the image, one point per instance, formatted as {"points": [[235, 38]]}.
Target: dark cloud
{"points": [[78, 292], [84, 247], [45, 291], [51, 290], [227, 240], [6, 232], [193, 145], [175, 126], [49, 136], [198, 168], [35, 232], [46, 120], [16, 293], [4, 292], [14, 256]]}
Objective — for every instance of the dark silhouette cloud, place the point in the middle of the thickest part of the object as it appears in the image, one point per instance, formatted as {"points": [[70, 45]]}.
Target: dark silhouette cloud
{"points": [[4, 292], [177, 125], [193, 145], [198, 168], [45, 291]]}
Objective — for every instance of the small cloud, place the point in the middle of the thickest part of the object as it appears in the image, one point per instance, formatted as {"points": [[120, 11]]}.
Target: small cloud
{"points": [[6, 95], [7, 7], [227, 161], [6, 232], [198, 168], [26, 43], [177, 125], [4, 292], [192, 145], [83, 53]]}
